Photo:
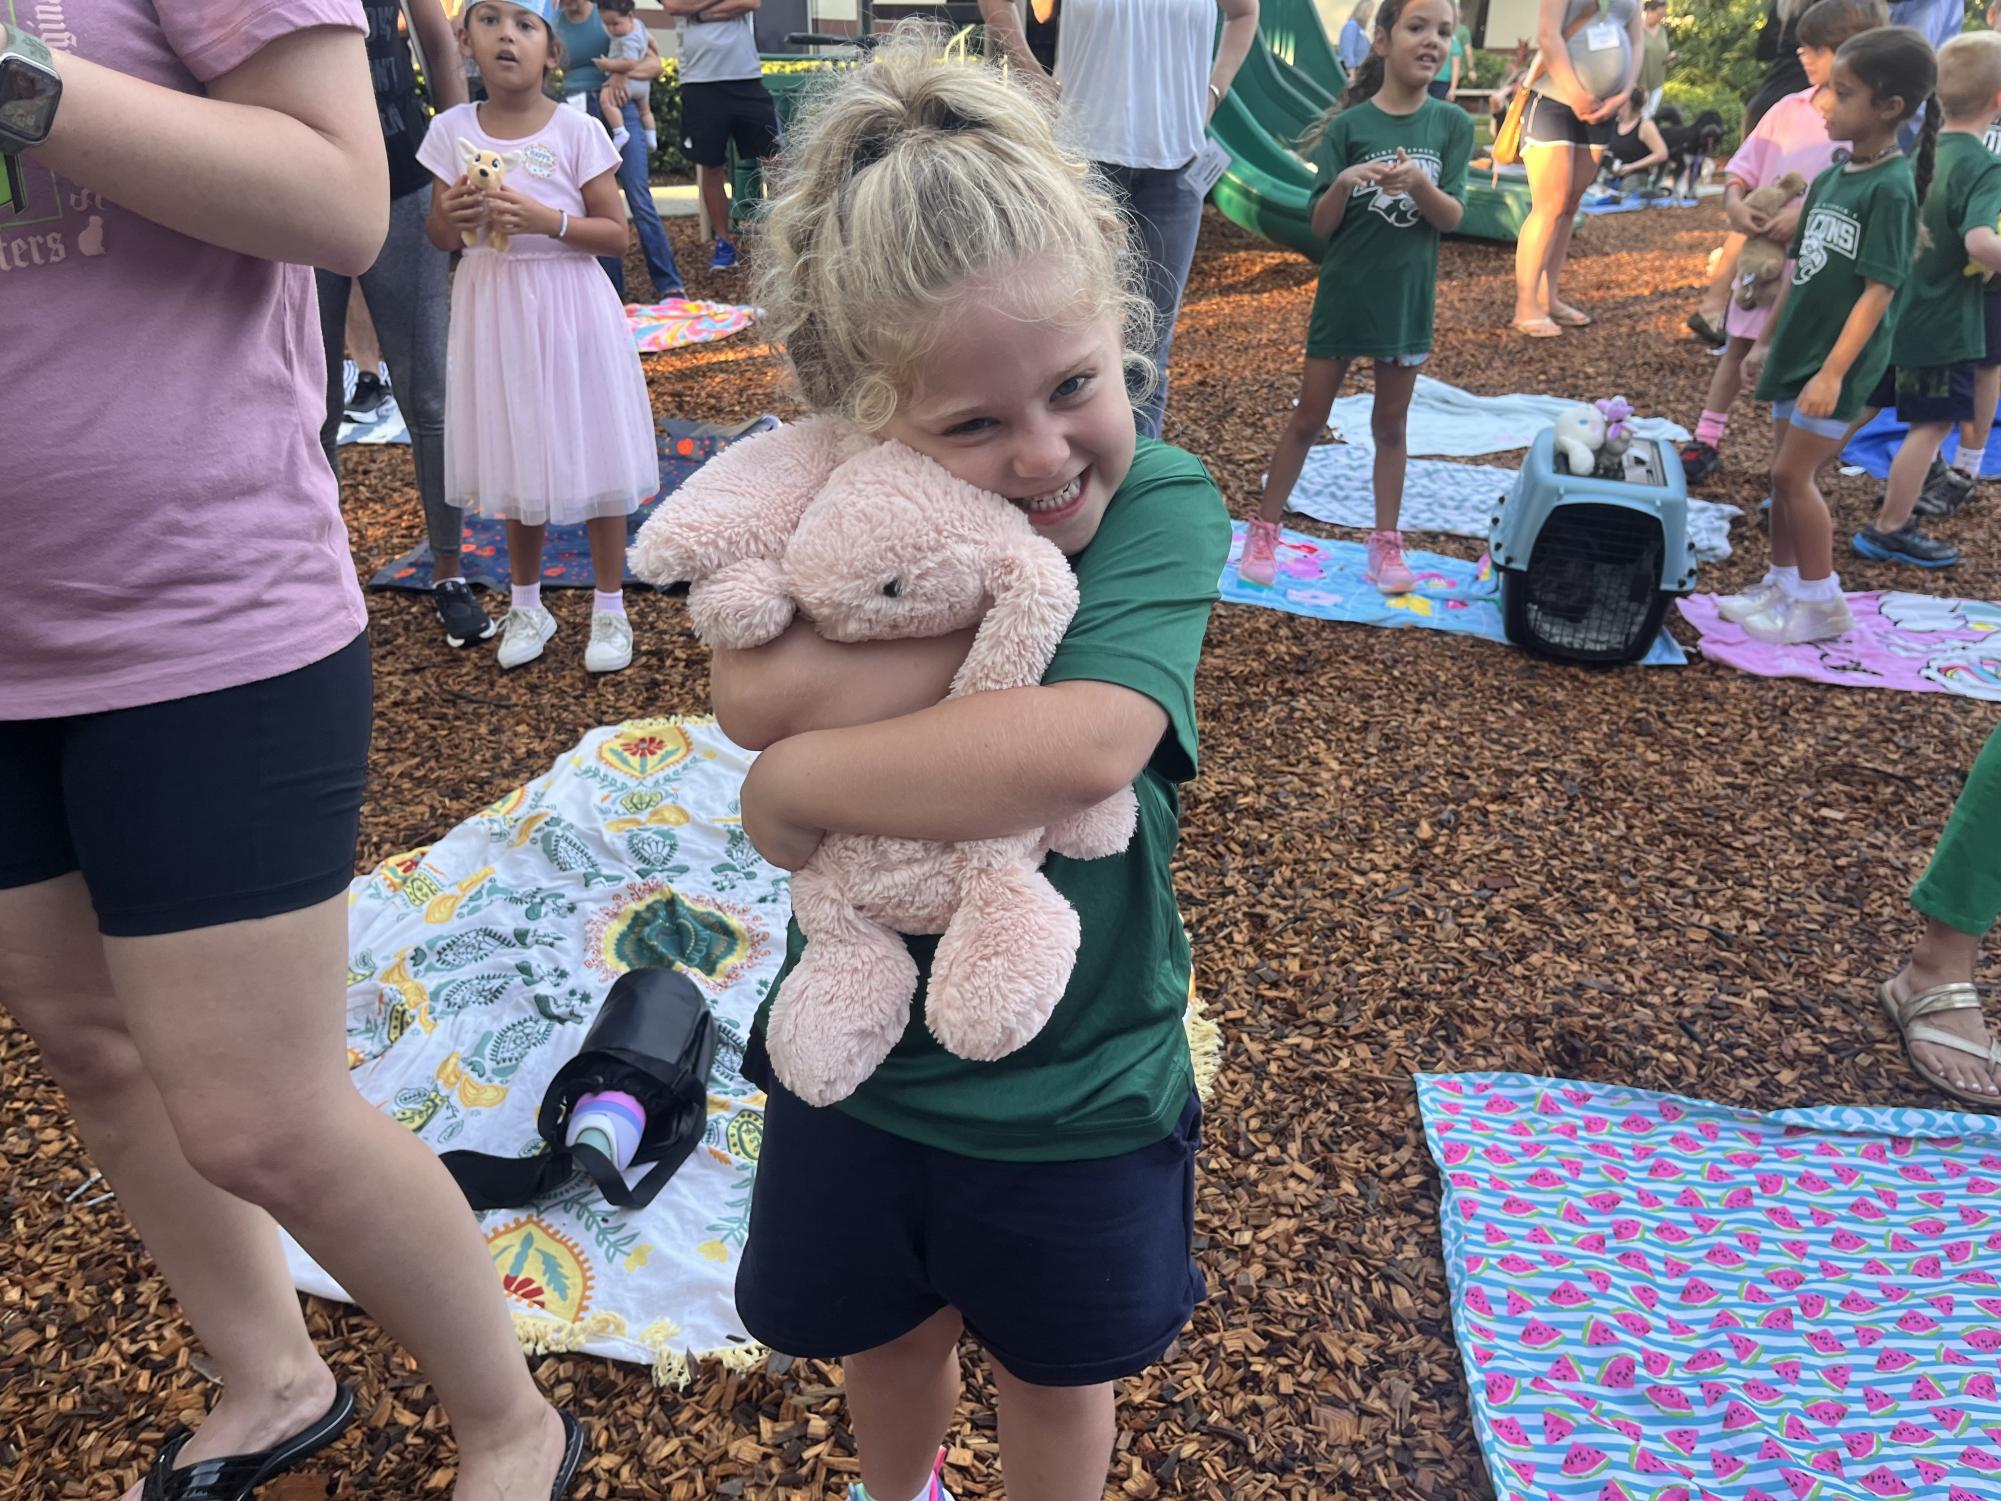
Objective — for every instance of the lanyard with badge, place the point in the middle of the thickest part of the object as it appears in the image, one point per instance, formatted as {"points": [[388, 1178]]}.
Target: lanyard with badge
{"points": [[1602, 35]]}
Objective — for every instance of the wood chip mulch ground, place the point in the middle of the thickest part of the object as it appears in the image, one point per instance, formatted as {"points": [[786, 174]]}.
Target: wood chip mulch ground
{"points": [[1407, 851]]}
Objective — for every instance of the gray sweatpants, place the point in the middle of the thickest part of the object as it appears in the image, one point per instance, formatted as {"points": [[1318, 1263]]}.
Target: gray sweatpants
{"points": [[409, 298]]}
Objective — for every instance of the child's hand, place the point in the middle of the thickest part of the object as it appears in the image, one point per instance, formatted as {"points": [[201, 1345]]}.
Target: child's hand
{"points": [[513, 212], [1780, 226], [1747, 220], [1399, 176], [1754, 359], [778, 834], [462, 205], [1819, 396], [1359, 176]]}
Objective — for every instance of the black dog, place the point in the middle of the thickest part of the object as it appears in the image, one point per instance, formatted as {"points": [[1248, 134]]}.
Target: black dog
{"points": [[1689, 146]]}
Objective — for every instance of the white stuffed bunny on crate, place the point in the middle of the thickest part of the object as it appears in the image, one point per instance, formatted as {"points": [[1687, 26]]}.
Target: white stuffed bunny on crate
{"points": [[872, 541], [1593, 439]]}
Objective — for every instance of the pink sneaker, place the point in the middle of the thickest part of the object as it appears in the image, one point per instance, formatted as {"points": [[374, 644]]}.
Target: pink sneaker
{"points": [[1386, 569], [1259, 564]]}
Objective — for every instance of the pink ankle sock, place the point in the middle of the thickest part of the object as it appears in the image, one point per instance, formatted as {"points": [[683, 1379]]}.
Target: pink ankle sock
{"points": [[1710, 429]]}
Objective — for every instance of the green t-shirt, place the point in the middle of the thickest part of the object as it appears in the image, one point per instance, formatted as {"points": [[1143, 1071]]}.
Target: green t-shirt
{"points": [[1939, 315], [1110, 1072], [1653, 58], [1856, 227], [1379, 278]]}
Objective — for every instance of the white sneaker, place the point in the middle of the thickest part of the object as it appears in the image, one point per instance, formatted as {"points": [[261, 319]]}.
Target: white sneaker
{"points": [[1753, 601], [1795, 622], [523, 635], [611, 643]]}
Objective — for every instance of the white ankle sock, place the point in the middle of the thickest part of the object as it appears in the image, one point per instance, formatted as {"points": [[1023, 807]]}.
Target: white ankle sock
{"points": [[608, 604], [1818, 591], [526, 596], [652, 140], [1969, 461], [1787, 578]]}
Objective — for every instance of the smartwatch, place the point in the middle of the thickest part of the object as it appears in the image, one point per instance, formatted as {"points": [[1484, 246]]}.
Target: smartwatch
{"points": [[30, 89]]}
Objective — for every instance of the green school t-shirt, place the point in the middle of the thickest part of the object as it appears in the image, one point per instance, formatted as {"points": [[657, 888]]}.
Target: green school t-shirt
{"points": [[1379, 278], [1857, 227], [1110, 1072], [1939, 316]]}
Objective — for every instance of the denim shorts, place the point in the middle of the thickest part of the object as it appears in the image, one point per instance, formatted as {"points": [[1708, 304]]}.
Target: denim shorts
{"points": [[1820, 427], [217, 808], [1069, 1273]]}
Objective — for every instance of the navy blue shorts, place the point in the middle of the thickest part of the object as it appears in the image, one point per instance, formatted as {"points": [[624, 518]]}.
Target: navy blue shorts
{"points": [[199, 811], [1933, 393], [1991, 308], [1069, 1273]]}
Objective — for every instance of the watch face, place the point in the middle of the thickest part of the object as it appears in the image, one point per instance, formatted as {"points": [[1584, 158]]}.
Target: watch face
{"points": [[27, 100]]}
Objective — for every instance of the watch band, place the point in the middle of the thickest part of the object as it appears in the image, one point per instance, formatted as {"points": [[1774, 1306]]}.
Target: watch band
{"points": [[22, 51]]}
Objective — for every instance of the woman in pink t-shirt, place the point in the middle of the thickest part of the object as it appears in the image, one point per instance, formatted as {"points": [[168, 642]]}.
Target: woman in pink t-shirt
{"points": [[1791, 137], [184, 721]]}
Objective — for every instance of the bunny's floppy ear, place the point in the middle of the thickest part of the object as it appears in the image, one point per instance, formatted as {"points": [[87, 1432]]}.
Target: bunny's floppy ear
{"points": [[468, 153], [1034, 594]]}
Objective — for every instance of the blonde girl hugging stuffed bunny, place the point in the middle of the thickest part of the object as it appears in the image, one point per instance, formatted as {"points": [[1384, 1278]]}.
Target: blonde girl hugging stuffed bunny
{"points": [[939, 272]]}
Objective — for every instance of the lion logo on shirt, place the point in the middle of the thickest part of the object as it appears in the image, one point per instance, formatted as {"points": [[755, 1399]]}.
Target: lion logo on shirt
{"points": [[1829, 231]]}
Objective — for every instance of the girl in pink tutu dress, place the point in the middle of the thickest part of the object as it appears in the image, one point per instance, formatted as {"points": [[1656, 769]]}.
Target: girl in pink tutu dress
{"points": [[546, 412]]}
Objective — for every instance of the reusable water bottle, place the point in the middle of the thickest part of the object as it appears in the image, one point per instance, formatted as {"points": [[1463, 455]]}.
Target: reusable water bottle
{"points": [[612, 1122]]}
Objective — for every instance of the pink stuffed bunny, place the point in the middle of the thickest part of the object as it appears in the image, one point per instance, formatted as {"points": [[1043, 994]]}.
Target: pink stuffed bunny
{"points": [[876, 542]]}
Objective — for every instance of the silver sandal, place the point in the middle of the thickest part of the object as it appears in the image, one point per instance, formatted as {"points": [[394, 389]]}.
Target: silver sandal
{"points": [[1908, 1018]]}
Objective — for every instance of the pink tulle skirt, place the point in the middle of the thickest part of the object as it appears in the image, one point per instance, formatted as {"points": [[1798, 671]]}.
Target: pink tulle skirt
{"points": [[546, 412]]}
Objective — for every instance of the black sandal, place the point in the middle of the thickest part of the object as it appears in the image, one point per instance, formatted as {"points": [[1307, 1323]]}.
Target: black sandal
{"points": [[573, 1455], [234, 1477]]}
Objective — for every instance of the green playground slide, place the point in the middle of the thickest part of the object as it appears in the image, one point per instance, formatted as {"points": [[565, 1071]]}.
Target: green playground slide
{"points": [[1293, 32]]}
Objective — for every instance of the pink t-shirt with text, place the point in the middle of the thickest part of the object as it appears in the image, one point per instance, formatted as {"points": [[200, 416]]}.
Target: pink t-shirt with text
{"points": [[168, 523]]}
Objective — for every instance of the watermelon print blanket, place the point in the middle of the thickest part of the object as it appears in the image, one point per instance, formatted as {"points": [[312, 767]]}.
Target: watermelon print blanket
{"points": [[1666, 1299]]}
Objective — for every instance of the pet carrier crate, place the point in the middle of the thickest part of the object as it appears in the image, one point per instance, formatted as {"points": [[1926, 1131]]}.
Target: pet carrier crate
{"points": [[1588, 562]]}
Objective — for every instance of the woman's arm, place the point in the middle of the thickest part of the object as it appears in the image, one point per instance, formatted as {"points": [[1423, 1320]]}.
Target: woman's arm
{"points": [[282, 158], [985, 766], [1240, 30], [1657, 152], [1004, 26], [440, 46], [602, 230], [1818, 397], [802, 682]]}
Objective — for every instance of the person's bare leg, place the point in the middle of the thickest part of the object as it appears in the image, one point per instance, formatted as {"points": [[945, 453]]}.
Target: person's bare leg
{"points": [[1944, 956], [1908, 468], [900, 1401], [1794, 470], [1785, 553], [607, 535], [524, 552], [241, 1028], [1583, 172], [1715, 303], [362, 347], [1394, 384], [219, 1255], [714, 199], [1318, 387], [1726, 381], [1549, 192], [1055, 1441], [1986, 400]]}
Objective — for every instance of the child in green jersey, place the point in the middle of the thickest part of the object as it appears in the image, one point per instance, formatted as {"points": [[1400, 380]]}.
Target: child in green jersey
{"points": [[1828, 341], [1042, 1201], [1392, 178], [1941, 334]]}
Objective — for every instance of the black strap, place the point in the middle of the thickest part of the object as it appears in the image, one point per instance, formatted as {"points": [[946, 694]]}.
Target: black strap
{"points": [[506, 1182]]}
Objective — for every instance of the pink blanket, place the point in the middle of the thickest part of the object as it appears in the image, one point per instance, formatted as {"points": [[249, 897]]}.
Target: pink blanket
{"points": [[1917, 642]]}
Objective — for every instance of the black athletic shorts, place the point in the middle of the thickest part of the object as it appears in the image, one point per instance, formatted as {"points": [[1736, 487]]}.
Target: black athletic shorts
{"points": [[1933, 393], [715, 114], [199, 811], [1069, 1273], [1551, 122], [1991, 306]]}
